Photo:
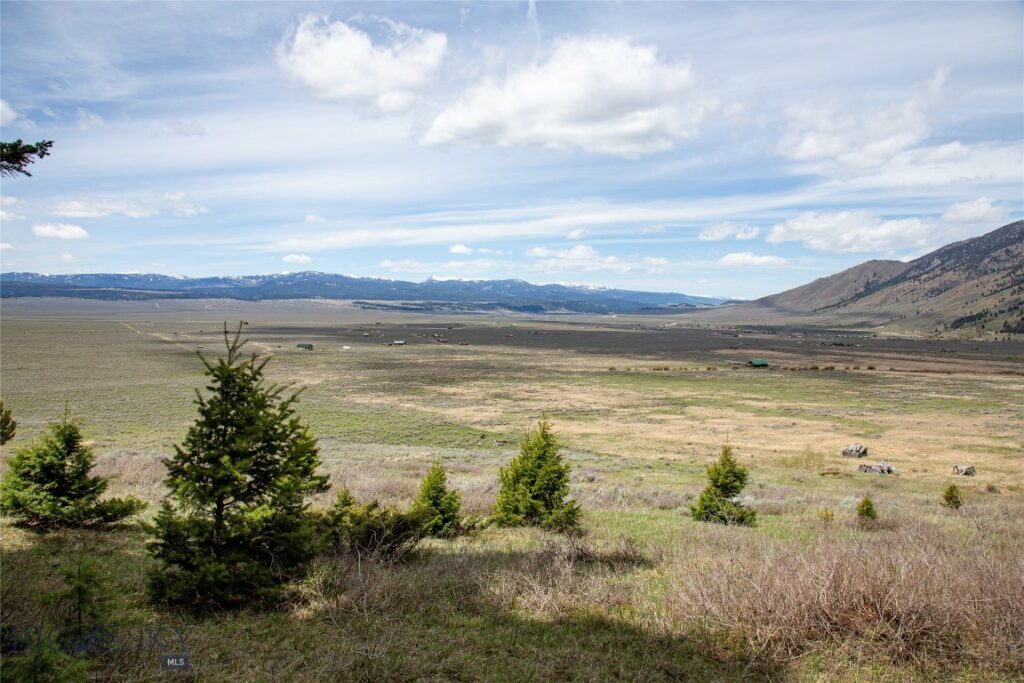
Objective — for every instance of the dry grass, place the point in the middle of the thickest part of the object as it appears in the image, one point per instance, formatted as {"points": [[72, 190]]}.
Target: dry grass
{"points": [[914, 594]]}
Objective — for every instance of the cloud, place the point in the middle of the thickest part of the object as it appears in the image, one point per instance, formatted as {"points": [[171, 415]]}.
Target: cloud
{"points": [[597, 93], [6, 246], [67, 257], [313, 218], [100, 208], [852, 231], [341, 62], [977, 211], [297, 258], [462, 267], [739, 259], [577, 234], [7, 114], [585, 258], [460, 249], [726, 230], [182, 208], [186, 128], [87, 119], [10, 117], [60, 231], [823, 133]]}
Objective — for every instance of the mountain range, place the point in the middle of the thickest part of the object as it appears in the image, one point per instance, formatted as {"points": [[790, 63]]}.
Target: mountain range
{"points": [[430, 295], [973, 286]]}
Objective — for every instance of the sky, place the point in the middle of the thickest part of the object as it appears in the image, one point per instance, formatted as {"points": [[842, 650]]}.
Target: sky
{"points": [[729, 149]]}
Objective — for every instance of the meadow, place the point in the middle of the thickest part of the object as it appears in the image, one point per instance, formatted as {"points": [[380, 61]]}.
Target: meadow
{"points": [[642, 405]]}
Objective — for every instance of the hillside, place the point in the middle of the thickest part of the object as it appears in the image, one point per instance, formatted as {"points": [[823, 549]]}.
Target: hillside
{"points": [[424, 296], [974, 287]]}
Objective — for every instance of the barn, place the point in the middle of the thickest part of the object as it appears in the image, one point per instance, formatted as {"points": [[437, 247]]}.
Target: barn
{"points": [[305, 347], [758, 363]]}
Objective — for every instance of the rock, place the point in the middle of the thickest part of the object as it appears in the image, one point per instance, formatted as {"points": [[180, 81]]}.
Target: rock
{"points": [[964, 470], [855, 451], [880, 468]]}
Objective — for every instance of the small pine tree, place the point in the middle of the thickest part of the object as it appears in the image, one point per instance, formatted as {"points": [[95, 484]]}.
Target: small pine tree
{"points": [[952, 497], [535, 484], [40, 660], [85, 597], [866, 511], [726, 478], [236, 524], [439, 503], [47, 485], [7, 424]]}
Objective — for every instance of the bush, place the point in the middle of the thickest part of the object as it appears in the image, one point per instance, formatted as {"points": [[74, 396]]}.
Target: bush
{"points": [[726, 478], [535, 484], [952, 498], [866, 512], [41, 660], [47, 485], [239, 526], [439, 504], [371, 529], [7, 424]]}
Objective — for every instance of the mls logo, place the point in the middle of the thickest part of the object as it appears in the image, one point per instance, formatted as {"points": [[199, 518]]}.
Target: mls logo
{"points": [[174, 662]]}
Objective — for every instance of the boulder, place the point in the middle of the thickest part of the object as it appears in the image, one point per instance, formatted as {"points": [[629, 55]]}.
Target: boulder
{"points": [[964, 470], [855, 450], [879, 468]]}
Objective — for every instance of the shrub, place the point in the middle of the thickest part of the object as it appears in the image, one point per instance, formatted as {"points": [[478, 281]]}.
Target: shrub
{"points": [[7, 424], [726, 478], [371, 529], [952, 498], [47, 485], [866, 512], [239, 525], [535, 484], [42, 661], [826, 516], [439, 504]]}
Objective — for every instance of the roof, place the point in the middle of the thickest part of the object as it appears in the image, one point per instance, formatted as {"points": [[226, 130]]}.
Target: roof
{"points": [[759, 362]]}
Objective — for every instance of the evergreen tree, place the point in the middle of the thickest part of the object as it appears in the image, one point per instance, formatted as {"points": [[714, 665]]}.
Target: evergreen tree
{"points": [[952, 498], [535, 484], [236, 524], [16, 157], [7, 424], [866, 512], [440, 503], [726, 478], [47, 485]]}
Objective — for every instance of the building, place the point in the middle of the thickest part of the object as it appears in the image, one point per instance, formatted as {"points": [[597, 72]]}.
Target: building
{"points": [[305, 347], [758, 363]]}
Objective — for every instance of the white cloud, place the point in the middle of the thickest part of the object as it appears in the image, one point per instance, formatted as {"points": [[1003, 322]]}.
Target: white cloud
{"points": [[583, 257], [9, 216], [977, 211], [297, 258], [852, 231], [7, 114], [823, 133], [67, 257], [60, 231], [460, 249], [10, 117], [577, 234], [726, 230], [342, 63], [597, 93], [182, 208], [739, 259], [99, 208], [6, 246], [186, 128], [87, 119], [313, 218]]}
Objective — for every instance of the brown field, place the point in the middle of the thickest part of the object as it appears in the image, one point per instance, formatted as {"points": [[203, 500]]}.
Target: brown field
{"points": [[642, 405]]}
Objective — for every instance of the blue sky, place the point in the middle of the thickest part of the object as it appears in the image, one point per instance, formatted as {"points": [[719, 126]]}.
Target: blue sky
{"points": [[709, 148]]}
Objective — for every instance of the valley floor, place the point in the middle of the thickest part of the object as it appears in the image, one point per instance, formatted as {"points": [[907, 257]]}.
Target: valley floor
{"points": [[642, 405]]}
